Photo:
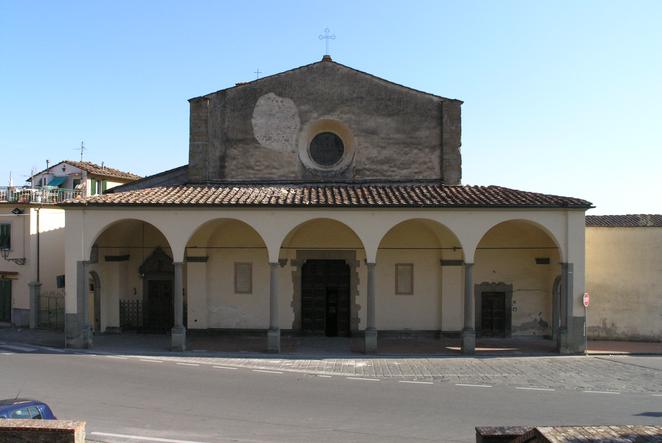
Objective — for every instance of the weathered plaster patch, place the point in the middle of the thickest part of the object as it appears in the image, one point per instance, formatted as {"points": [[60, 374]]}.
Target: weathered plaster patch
{"points": [[276, 123]]}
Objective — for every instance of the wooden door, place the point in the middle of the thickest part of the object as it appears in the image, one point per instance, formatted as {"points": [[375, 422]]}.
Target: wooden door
{"points": [[5, 301], [493, 314], [325, 298], [159, 309]]}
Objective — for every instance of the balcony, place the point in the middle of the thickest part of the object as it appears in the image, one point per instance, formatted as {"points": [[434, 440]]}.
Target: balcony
{"points": [[45, 195]]}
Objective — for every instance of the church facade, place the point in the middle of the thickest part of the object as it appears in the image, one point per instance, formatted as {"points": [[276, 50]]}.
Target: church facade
{"points": [[325, 201]]}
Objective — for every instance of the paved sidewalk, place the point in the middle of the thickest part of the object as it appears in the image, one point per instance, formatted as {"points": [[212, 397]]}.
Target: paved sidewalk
{"points": [[610, 374]]}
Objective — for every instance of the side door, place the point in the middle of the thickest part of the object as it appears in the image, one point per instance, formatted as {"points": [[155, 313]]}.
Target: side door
{"points": [[5, 301]]}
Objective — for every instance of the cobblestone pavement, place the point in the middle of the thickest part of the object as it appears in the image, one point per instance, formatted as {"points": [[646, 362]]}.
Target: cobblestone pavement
{"points": [[609, 374]]}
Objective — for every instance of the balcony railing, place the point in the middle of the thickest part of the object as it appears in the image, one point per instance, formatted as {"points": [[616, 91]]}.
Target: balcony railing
{"points": [[46, 195]]}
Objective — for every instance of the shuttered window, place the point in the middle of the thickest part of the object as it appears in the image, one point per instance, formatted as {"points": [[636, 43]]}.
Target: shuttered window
{"points": [[5, 236]]}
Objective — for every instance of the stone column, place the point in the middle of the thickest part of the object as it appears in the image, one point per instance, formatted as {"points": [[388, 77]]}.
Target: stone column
{"points": [[85, 340], [273, 334], [178, 333], [35, 292], [469, 333], [566, 333], [370, 336]]}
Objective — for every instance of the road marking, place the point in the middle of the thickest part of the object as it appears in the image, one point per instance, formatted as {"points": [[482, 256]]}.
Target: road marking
{"points": [[224, 367], [323, 376], [601, 392], [139, 437], [468, 385], [657, 395], [361, 378], [267, 372], [19, 348], [117, 357], [416, 382], [188, 364], [6, 353], [149, 360], [529, 388], [48, 348]]}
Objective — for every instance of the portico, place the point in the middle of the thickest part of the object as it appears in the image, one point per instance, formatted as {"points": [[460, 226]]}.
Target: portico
{"points": [[447, 255]]}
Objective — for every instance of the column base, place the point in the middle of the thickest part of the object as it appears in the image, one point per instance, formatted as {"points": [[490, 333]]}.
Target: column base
{"points": [[178, 339], [469, 342], [273, 340], [370, 341], [81, 340], [572, 339]]}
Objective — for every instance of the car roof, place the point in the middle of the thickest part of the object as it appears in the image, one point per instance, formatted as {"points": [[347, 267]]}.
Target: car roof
{"points": [[18, 401]]}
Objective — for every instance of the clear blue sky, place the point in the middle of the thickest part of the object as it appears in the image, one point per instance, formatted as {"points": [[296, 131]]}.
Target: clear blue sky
{"points": [[560, 97]]}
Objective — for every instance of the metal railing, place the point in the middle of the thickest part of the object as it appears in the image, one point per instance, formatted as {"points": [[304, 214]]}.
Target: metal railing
{"points": [[131, 314], [51, 311], [47, 195]]}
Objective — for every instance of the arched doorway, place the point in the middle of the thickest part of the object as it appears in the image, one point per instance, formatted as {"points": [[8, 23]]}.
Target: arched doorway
{"points": [[326, 273], [132, 259], [516, 265]]}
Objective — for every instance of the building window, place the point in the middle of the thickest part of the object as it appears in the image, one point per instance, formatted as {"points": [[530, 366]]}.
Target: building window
{"points": [[5, 236], [404, 278], [326, 149], [243, 278]]}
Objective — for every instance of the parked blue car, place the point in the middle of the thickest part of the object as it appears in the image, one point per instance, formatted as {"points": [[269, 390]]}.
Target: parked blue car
{"points": [[22, 408]]}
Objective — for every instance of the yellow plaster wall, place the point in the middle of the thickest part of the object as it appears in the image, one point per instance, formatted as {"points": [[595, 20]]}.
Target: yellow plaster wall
{"points": [[624, 278]]}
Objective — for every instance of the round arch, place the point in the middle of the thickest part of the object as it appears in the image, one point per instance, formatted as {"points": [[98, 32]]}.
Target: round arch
{"points": [[204, 232], [443, 234], [549, 232], [516, 264], [114, 224]]}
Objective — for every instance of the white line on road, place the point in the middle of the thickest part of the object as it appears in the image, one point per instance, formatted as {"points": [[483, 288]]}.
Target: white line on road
{"points": [[416, 382], [468, 385], [657, 395], [601, 392], [529, 388], [361, 378], [188, 364], [6, 353], [267, 372], [149, 360], [224, 367], [323, 376], [19, 348], [140, 437], [48, 348], [119, 357]]}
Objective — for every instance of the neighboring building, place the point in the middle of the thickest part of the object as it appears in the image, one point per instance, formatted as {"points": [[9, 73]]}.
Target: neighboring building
{"points": [[325, 201], [32, 239], [624, 276], [85, 177]]}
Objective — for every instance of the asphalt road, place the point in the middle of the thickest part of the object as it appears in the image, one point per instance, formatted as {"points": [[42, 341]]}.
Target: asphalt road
{"points": [[146, 400]]}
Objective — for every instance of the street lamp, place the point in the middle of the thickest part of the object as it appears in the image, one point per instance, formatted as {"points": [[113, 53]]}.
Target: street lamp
{"points": [[5, 254]]}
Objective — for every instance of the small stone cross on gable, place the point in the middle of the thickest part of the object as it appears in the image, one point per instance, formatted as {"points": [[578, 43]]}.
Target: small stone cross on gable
{"points": [[326, 37]]}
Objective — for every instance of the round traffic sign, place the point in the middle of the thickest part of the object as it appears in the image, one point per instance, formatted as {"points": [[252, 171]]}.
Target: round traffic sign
{"points": [[586, 299]]}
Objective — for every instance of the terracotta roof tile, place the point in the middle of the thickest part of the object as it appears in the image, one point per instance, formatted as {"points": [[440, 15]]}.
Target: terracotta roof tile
{"points": [[625, 221], [345, 195], [99, 170]]}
